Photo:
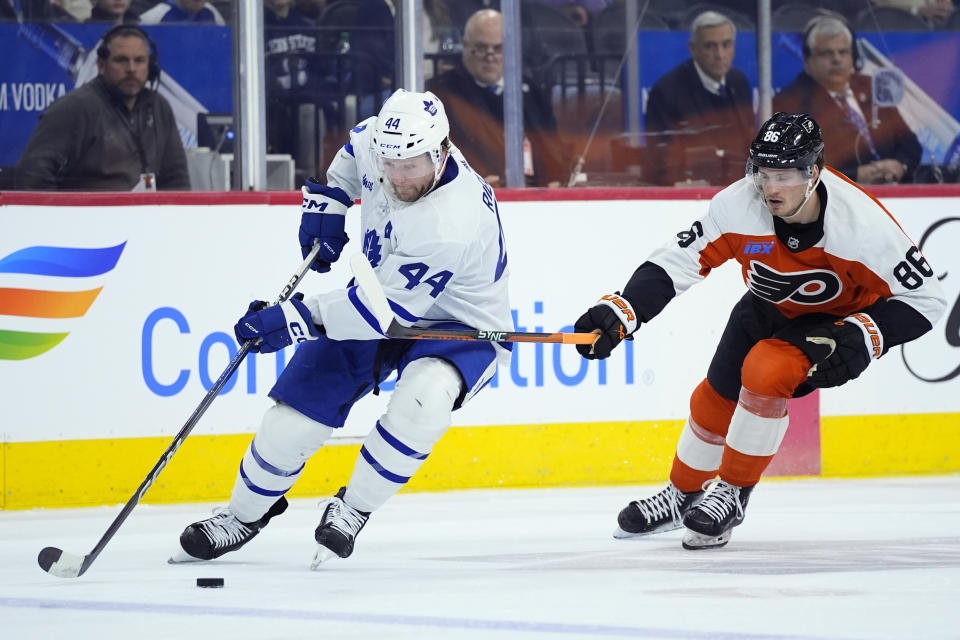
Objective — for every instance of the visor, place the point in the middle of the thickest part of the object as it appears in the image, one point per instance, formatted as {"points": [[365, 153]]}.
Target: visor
{"points": [[766, 177], [404, 169]]}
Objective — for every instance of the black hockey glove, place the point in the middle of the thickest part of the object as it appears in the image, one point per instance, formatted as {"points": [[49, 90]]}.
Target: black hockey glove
{"points": [[842, 350], [615, 319]]}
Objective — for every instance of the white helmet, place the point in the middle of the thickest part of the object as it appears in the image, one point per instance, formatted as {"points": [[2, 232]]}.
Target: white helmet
{"points": [[410, 124]]}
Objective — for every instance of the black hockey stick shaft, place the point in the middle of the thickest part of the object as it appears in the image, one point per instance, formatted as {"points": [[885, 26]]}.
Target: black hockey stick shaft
{"points": [[65, 565]]}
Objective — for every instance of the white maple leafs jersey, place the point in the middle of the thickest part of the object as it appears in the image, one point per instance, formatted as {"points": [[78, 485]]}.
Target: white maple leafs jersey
{"points": [[855, 255], [440, 259]]}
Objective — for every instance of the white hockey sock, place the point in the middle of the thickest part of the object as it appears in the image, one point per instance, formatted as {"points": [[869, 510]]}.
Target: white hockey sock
{"points": [[384, 466], [417, 416], [274, 460], [259, 484]]}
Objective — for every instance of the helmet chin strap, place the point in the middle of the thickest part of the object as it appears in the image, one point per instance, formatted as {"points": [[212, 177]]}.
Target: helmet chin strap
{"points": [[811, 187]]}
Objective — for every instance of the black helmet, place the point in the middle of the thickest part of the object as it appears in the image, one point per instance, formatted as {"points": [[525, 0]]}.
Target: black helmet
{"points": [[787, 140]]}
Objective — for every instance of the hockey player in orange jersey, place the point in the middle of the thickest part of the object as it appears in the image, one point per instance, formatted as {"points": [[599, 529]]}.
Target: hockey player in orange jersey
{"points": [[833, 283]]}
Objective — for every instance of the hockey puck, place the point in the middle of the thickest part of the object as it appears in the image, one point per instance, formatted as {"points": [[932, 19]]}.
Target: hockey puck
{"points": [[210, 582]]}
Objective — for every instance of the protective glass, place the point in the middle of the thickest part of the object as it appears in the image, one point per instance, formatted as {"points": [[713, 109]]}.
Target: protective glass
{"points": [[767, 178]]}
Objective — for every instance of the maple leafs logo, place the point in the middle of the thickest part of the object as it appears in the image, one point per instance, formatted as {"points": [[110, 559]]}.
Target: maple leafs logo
{"points": [[372, 247]]}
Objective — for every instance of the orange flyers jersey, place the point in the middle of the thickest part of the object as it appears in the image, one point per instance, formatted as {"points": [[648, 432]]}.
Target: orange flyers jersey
{"points": [[853, 256]]}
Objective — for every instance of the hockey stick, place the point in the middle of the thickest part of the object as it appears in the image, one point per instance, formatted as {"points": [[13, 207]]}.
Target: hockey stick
{"points": [[366, 279], [67, 565]]}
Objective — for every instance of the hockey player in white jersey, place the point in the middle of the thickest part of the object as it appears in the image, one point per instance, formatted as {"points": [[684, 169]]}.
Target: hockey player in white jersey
{"points": [[431, 231], [833, 283]]}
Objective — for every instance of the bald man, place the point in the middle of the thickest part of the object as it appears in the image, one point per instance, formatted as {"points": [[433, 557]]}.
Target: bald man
{"points": [[473, 94]]}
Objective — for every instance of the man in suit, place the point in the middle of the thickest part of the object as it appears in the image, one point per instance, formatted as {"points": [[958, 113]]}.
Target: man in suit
{"points": [[869, 145], [473, 95], [699, 116]]}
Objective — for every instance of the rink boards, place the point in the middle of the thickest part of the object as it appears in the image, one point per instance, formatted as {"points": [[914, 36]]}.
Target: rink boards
{"points": [[105, 352]]}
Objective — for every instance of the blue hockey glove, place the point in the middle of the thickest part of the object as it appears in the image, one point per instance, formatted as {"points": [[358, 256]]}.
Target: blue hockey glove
{"points": [[276, 327], [323, 214], [615, 319]]}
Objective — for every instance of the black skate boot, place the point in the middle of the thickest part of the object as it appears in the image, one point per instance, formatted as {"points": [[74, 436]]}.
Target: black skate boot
{"points": [[338, 529], [213, 537], [661, 512], [711, 522]]}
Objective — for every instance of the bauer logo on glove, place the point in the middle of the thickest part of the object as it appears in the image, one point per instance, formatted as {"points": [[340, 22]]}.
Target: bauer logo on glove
{"points": [[613, 319]]}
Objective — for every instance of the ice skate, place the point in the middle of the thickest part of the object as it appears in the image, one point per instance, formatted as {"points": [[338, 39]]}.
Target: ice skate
{"points": [[661, 512], [710, 524], [338, 529], [213, 537]]}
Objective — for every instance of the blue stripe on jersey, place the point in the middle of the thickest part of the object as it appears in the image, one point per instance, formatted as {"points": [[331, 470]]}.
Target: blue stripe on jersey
{"points": [[362, 310], [392, 477], [399, 446], [259, 490], [349, 149], [266, 466], [502, 259], [450, 172], [403, 313]]}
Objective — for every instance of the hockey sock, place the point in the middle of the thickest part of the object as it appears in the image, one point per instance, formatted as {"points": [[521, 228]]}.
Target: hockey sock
{"points": [[417, 416], [274, 460], [698, 457], [700, 446], [756, 431]]}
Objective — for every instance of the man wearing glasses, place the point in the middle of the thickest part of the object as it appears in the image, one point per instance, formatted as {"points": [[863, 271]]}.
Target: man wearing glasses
{"points": [[473, 95]]}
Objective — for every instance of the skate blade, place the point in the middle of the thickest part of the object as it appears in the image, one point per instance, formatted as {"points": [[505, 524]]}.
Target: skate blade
{"points": [[322, 555], [621, 534], [182, 557], [693, 541]]}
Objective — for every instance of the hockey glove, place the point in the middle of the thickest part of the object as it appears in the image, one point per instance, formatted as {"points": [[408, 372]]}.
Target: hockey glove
{"points": [[323, 213], [276, 327], [841, 351], [615, 319]]}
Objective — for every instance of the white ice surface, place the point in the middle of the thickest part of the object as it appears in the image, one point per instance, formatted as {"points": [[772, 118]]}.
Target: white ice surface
{"points": [[815, 559]]}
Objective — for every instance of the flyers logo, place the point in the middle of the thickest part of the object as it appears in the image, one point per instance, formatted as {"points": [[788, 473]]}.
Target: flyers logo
{"points": [[802, 287], [30, 308]]}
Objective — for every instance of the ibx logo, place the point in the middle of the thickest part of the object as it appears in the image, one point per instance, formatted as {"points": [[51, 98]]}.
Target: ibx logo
{"points": [[366, 183], [752, 248], [63, 262], [802, 287]]}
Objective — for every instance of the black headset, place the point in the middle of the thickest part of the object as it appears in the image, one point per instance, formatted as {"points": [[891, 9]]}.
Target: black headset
{"points": [[153, 65], [854, 46]]}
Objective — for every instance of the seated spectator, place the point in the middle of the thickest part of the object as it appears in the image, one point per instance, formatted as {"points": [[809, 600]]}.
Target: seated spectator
{"points": [[290, 40], [473, 95], [701, 112], [182, 11], [935, 12], [831, 91], [372, 37], [115, 11], [112, 134]]}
